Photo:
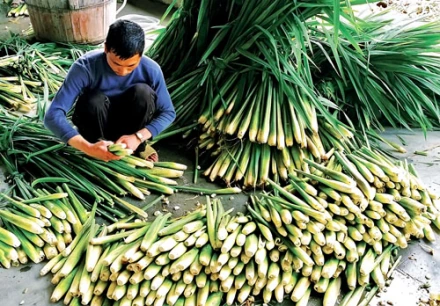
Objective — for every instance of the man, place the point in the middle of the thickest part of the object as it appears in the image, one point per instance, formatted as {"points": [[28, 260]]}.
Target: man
{"points": [[120, 95]]}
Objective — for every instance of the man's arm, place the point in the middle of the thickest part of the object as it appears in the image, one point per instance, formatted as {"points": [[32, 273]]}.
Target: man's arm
{"points": [[56, 116], [97, 150], [132, 141], [165, 113]]}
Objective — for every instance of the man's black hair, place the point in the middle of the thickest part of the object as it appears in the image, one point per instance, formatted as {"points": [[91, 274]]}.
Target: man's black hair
{"points": [[125, 38]]}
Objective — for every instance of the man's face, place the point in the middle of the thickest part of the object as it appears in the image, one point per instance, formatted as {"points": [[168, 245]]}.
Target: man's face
{"points": [[119, 66]]}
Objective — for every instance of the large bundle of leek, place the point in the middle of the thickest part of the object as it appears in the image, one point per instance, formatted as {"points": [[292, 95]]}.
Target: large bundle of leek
{"points": [[271, 80]]}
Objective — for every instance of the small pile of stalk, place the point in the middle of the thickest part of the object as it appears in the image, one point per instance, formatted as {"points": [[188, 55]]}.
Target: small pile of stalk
{"points": [[207, 257], [19, 10], [40, 227], [27, 70], [364, 189]]}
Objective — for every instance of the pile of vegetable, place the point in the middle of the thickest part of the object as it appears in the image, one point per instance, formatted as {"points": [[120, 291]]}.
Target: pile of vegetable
{"points": [[38, 228], [323, 235], [268, 81], [30, 70]]}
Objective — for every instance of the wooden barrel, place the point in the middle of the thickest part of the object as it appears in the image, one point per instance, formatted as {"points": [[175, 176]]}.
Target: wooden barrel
{"points": [[76, 21]]}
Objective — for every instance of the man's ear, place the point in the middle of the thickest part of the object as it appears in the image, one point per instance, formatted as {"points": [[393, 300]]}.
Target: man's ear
{"points": [[105, 48]]}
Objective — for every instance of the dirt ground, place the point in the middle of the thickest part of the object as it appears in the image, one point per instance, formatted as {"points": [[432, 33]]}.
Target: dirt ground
{"points": [[429, 9]]}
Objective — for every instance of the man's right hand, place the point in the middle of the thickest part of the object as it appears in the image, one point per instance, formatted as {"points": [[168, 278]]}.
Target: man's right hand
{"points": [[96, 150], [99, 150]]}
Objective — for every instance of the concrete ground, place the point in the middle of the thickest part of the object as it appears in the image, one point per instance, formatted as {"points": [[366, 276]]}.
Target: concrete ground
{"points": [[417, 274]]}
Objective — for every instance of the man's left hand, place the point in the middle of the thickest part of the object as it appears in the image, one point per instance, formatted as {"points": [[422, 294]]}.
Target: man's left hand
{"points": [[131, 141]]}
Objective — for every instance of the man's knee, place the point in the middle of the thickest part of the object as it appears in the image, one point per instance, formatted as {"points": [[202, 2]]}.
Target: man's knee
{"points": [[94, 101], [90, 105], [144, 95], [141, 89]]}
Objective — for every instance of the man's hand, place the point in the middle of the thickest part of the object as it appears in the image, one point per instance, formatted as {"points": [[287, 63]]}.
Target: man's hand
{"points": [[97, 150], [131, 141]]}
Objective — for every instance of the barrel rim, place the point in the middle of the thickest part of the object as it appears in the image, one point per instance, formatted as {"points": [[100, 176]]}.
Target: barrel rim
{"points": [[56, 9]]}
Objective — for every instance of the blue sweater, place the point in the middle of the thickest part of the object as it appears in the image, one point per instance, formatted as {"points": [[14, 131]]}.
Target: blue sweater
{"points": [[92, 71]]}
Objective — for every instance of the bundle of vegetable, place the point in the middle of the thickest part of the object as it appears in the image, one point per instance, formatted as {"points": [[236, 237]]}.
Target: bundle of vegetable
{"points": [[38, 228], [238, 64], [27, 69], [272, 107], [120, 149], [389, 77], [286, 74], [252, 163]]}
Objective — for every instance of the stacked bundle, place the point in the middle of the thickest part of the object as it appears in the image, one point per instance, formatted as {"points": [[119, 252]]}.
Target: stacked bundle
{"points": [[269, 81]]}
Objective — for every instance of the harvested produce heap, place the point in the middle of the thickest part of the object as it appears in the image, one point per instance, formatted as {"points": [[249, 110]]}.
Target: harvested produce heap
{"points": [[284, 249]]}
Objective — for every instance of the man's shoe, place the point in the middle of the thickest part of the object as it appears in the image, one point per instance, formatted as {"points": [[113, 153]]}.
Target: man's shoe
{"points": [[149, 153]]}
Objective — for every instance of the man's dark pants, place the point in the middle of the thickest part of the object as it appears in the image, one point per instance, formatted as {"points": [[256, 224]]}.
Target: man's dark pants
{"points": [[99, 117]]}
